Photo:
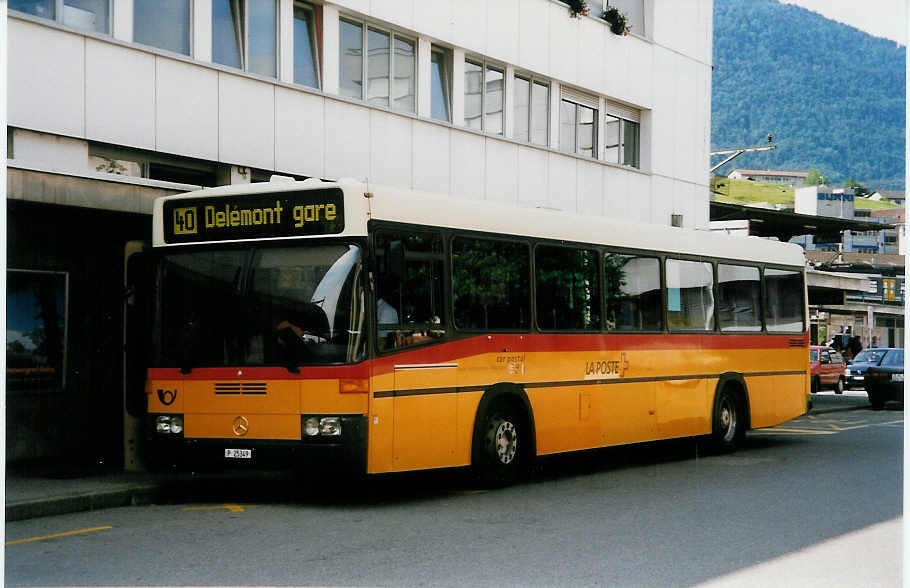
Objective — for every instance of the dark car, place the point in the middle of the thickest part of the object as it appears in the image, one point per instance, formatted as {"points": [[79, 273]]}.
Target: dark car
{"points": [[827, 368], [856, 368], [885, 381]]}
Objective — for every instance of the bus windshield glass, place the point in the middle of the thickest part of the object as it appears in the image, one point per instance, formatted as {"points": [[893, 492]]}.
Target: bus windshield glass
{"points": [[285, 306]]}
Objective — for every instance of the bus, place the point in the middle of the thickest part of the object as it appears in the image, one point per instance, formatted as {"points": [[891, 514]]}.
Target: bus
{"points": [[342, 325]]}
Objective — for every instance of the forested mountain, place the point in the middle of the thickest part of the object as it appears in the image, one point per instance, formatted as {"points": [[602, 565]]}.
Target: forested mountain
{"points": [[832, 96]]}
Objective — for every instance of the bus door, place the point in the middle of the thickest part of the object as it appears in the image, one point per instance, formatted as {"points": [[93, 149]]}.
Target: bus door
{"points": [[410, 323], [139, 287]]}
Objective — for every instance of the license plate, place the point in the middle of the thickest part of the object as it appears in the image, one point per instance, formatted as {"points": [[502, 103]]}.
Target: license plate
{"points": [[238, 453]]}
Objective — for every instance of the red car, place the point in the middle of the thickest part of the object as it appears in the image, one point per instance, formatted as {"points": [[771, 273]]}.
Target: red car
{"points": [[828, 369]]}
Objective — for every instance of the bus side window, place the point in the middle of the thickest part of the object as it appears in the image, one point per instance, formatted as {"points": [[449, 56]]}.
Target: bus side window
{"points": [[568, 293], [409, 289], [690, 295], [491, 284], [784, 301], [632, 292]]}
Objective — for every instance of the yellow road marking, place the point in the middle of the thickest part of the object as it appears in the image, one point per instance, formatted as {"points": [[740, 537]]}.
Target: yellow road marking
{"points": [[57, 535], [800, 431], [228, 507]]}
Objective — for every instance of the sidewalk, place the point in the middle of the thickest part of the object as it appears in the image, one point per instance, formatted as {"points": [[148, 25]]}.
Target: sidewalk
{"points": [[47, 492]]}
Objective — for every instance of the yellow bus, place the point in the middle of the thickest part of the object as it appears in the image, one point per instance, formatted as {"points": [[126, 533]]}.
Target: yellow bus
{"points": [[343, 325]]}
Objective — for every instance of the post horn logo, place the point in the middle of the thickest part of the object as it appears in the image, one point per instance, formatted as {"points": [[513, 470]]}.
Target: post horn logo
{"points": [[241, 426], [167, 397]]}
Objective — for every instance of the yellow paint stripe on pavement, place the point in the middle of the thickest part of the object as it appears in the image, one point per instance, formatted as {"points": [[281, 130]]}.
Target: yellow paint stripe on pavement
{"points": [[228, 507], [798, 431], [57, 535]]}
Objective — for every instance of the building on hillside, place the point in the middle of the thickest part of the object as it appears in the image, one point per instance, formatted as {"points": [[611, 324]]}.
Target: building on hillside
{"points": [[893, 196], [841, 203], [785, 178], [114, 102]]}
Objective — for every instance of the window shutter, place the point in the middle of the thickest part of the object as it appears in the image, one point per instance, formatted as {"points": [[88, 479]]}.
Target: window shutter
{"points": [[579, 97], [622, 111]]}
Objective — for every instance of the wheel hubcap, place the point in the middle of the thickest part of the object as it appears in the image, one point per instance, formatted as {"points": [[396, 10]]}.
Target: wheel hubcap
{"points": [[728, 419], [502, 439]]}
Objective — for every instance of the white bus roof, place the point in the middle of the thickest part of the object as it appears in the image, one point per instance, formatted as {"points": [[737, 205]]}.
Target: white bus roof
{"points": [[427, 209]]}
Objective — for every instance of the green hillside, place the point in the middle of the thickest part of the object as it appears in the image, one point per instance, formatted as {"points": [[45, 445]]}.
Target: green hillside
{"points": [[832, 96], [750, 193]]}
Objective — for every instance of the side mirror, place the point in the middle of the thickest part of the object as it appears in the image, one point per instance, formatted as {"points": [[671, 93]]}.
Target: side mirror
{"points": [[394, 255]]}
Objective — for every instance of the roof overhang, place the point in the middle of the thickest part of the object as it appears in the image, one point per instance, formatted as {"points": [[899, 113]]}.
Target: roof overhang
{"points": [[838, 281], [765, 222]]}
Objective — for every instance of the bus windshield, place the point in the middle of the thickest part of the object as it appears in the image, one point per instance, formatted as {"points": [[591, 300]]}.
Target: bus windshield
{"points": [[260, 306]]}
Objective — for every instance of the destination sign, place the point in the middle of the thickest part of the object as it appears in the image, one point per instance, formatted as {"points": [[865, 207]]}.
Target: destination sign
{"points": [[281, 214]]}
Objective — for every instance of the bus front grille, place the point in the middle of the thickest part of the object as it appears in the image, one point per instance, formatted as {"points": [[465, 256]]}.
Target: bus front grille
{"points": [[260, 388]]}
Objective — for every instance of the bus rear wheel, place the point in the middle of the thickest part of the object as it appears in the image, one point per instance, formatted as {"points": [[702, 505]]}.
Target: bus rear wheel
{"points": [[728, 429], [501, 442]]}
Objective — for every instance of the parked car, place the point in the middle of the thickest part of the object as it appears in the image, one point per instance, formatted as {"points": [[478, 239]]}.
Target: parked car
{"points": [[828, 369], [856, 367], [885, 381]]}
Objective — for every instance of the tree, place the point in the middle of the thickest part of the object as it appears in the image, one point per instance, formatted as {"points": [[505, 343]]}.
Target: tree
{"points": [[861, 190], [815, 177]]}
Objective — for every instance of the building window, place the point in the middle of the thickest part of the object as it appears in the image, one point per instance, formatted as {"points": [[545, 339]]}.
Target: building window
{"points": [[306, 56], [151, 165], [244, 35], [36, 313], [162, 23], [622, 143], [390, 65], [578, 125], [634, 11], [483, 97], [86, 15], [532, 110], [440, 84]]}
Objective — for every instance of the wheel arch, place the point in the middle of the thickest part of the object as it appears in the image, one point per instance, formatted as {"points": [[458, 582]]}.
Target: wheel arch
{"points": [[515, 396], [737, 385]]}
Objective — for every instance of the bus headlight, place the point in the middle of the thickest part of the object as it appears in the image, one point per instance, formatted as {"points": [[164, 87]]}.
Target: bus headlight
{"points": [[322, 426], [169, 424], [330, 426], [311, 427], [897, 377]]}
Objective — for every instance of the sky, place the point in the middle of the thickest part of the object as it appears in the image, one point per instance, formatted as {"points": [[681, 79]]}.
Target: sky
{"points": [[882, 18]]}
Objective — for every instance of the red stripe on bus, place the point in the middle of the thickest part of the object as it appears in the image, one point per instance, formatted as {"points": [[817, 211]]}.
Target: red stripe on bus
{"points": [[498, 343]]}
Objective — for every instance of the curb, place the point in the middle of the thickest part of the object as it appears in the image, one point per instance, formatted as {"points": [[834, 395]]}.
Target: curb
{"points": [[130, 496]]}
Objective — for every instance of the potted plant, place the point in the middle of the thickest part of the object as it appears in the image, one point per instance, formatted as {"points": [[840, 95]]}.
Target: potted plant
{"points": [[577, 8], [617, 20]]}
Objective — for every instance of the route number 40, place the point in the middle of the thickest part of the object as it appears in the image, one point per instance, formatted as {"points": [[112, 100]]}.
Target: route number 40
{"points": [[185, 220]]}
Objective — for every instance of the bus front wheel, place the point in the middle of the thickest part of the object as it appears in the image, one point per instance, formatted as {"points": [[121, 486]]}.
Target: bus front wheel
{"points": [[500, 445]]}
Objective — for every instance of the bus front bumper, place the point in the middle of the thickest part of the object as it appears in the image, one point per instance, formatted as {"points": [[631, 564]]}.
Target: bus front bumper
{"points": [[344, 453]]}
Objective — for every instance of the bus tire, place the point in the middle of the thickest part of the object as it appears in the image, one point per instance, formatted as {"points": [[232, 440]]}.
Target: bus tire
{"points": [[729, 421], [815, 385], [500, 444]]}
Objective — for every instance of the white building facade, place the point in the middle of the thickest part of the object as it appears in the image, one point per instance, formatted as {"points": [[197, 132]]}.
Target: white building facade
{"points": [[125, 84], [112, 103]]}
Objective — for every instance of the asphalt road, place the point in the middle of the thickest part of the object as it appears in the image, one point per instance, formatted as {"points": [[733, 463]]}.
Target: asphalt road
{"points": [[826, 488]]}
